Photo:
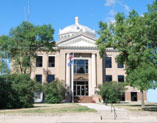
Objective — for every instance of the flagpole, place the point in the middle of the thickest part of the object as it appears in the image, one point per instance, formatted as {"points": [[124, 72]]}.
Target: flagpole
{"points": [[71, 76], [72, 84]]}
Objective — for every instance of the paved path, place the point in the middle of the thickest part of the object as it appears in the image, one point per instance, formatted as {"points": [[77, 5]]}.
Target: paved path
{"points": [[99, 107]]}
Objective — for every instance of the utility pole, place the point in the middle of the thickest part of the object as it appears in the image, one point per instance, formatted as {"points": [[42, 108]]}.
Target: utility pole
{"points": [[27, 11]]}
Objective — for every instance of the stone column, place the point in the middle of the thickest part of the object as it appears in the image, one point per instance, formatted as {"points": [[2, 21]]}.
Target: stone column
{"points": [[93, 73], [45, 68], [67, 71], [89, 77]]}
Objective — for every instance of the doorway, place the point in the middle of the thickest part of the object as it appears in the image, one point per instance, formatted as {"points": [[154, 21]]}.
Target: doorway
{"points": [[133, 96], [80, 88]]}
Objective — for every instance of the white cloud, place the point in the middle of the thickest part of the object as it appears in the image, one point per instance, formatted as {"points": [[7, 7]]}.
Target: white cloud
{"points": [[112, 12], [126, 7], [110, 20], [113, 4], [119, 2], [110, 2]]}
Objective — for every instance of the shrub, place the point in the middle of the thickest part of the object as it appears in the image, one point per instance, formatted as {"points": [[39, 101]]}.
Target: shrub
{"points": [[54, 92], [5, 92], [16, 91], [111, 92]]}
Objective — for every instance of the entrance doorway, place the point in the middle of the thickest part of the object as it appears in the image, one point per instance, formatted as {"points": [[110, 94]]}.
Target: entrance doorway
{"points": [[133, 96], [80, 88]]}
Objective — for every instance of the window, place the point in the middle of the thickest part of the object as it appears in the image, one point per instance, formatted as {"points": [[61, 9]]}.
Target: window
{"points": [[50, 78], [38, 96], [120, 65], [133, 96], [39, 78], [51, 61], [122, 97], [108, 78], [120, 78], [80, 66], [39, 61], [108, 62]]}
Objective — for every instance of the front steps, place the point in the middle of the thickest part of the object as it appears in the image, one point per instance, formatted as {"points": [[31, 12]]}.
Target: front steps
{"points": [[83, 99]]}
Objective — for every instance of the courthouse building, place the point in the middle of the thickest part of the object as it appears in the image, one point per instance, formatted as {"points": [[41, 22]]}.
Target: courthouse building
{"points": [[78, 63]]}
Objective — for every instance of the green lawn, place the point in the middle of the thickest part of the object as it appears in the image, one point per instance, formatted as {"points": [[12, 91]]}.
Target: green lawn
{"points": [[51, 108]]}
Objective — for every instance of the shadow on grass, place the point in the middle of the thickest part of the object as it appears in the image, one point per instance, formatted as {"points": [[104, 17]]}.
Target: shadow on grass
{"points": [[150, 108]]}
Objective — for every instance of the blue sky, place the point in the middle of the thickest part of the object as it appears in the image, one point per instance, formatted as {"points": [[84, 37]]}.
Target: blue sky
{"points": [[61, 13]]}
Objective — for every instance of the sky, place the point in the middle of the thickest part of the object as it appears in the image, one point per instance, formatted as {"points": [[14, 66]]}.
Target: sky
{"points": [[61, 13]]}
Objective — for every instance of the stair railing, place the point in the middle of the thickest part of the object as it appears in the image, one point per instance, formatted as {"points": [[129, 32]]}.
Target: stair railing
{"points": [[114, 111]]}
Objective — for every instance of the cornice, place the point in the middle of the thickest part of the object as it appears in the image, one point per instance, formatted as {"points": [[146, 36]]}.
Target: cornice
{"points": [[78, 35]]}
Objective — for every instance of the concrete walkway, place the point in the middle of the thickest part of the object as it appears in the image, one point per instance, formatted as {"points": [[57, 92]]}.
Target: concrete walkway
{"points": [[99, 107]]}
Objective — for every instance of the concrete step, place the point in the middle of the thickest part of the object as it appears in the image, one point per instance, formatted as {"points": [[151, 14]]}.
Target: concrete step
{"points": [[83, 99]]}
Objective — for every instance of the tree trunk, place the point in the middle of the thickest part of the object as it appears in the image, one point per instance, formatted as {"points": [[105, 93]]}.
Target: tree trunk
{"points": [[142, 99]]}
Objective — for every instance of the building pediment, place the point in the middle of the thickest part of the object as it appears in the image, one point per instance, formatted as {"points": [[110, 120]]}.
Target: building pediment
{"points": [[79, 41]]}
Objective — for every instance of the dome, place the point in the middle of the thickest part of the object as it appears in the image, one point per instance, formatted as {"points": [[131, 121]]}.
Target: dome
{"points": [[75, 29]]}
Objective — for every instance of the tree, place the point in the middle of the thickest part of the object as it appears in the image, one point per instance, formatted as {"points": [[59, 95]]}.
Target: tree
{"points": [[3, 56], [135, 38], [3, 66], [24, 41], [54, 92], [17, 91], [111, 92]]}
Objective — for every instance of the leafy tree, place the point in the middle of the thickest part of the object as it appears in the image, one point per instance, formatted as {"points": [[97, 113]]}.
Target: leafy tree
{"points": [[3, 66], [3, 56], [24, 41], [54, 92], [111, 91], [135, 38], [17, 91]]}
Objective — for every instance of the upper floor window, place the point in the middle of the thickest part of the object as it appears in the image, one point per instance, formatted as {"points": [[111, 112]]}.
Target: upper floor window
{"points": [[108, 62], [51, 61], [80, 66], [108, 78], [50, 78], [120, 65], [120, 78], [39, 78], [39, 61]]}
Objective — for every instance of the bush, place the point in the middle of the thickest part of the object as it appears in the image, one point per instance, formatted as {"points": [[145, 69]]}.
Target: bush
{"points": [[111, 92], [16, 91], [5, 92], [54, 92]]}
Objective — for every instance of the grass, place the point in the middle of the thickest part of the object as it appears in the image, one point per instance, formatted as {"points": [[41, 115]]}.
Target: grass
{"points": [[149, 107], [51, 108]]}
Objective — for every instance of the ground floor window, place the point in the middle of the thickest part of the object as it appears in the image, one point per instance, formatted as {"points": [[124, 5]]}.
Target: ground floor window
{"points": [[39, 78], [122, 97], [133, 96], [38, 96], [120, 78], [50, 78], [108, 78], [81, 88]]}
